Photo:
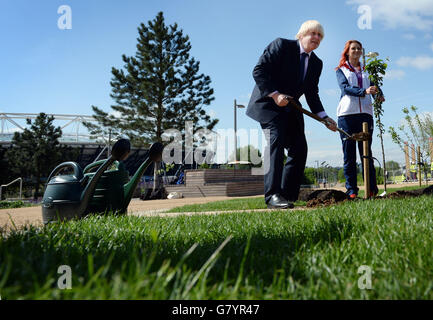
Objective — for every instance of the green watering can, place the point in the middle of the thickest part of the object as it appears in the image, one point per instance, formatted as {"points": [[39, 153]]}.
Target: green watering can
{"points": [[74, 196]]}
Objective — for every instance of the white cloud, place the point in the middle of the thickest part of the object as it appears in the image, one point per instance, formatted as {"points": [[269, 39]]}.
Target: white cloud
{"points": [[419, 62], [395, 74], [426, 114], [409, 36], [417, 14]]}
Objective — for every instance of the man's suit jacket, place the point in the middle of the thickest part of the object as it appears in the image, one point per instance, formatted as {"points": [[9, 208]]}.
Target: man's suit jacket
{"points": [[278, 69]]}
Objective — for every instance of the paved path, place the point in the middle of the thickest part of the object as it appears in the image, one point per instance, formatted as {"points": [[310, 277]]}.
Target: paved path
{"points": [[33, 215]]}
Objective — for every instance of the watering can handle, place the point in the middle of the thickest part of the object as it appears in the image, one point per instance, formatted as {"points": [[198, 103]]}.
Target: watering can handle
{"points": [[78, 172], [96, 165]]}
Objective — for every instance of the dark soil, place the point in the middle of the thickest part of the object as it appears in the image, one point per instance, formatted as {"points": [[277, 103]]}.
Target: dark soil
{"points": [[319, 198], [410, 193], [322, 197], [320, 203]]}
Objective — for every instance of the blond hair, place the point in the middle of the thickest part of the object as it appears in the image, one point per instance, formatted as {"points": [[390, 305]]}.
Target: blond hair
{"points": [[308, 26]]}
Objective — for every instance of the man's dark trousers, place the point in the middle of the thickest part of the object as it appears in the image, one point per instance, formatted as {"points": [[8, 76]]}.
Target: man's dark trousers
{"points": [[286, 131]]}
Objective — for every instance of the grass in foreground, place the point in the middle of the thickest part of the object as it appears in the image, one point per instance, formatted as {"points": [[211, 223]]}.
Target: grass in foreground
{"points": [[227, 205], [279, 255]]}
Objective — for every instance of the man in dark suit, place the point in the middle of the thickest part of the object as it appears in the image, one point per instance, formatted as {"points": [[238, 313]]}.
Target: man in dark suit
{"points": [[287, 69]]}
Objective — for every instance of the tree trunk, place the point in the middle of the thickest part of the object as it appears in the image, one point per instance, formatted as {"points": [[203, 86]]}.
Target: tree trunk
{"points": [[36, 194], [156, 184], [156, 179], [384, 163]]}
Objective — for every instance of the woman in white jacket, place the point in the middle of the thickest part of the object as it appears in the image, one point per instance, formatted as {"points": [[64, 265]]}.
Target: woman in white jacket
{"points": [[355, 107]]}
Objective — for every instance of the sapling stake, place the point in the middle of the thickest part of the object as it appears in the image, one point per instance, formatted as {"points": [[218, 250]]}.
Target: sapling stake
{"points": [[376, 68]]}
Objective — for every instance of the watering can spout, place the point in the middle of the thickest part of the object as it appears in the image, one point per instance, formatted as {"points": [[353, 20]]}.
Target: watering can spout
{"points": [[155, 154], [119, 152]]}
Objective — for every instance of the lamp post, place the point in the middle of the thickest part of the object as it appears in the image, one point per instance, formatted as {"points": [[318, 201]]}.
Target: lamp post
{"points": [[328, 170], [323, 166], [368, 55], [236, 138]]}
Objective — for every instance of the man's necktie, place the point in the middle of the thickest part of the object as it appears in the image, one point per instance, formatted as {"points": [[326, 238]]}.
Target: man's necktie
{"points": [[302, 67]]}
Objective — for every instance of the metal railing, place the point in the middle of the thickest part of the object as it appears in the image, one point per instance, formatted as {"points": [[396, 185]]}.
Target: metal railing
{"points": [[6, 185]]}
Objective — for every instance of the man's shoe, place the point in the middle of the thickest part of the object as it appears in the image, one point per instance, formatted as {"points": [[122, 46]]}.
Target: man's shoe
{"points": [[290, 205], [352, 196], [278, 202]]}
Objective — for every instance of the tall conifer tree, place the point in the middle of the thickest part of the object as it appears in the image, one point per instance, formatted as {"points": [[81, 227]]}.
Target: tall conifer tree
{"points": [[159, 88]]}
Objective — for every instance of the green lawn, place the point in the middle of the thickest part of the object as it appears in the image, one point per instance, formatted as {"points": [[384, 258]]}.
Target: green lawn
{"points": [[227, 205], [296, 254], [252, 203]]}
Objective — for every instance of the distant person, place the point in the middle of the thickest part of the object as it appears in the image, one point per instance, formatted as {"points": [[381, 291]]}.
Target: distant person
{"points": [[412, 170], [287, 69], [354, 108]]}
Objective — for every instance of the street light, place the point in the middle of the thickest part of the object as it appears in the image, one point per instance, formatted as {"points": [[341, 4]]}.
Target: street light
{"points": [[328, 170], [371, 55], [236, 140], [322, 165]]}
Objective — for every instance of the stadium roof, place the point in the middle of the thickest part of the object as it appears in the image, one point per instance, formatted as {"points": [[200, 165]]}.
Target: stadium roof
{"points": [[72, 126]]}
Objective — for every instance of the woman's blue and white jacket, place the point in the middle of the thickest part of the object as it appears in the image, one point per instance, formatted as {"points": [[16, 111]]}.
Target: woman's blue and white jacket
{"points": [[353, 99]]}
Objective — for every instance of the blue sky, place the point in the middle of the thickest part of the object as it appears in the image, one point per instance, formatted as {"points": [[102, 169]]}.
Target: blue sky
{"points": [[45, 69]]}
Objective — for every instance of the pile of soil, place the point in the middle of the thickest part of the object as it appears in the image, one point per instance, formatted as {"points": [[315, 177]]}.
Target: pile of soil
{"points": [[410, 193], [320, 198], [320, 203], [317, 198]]}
